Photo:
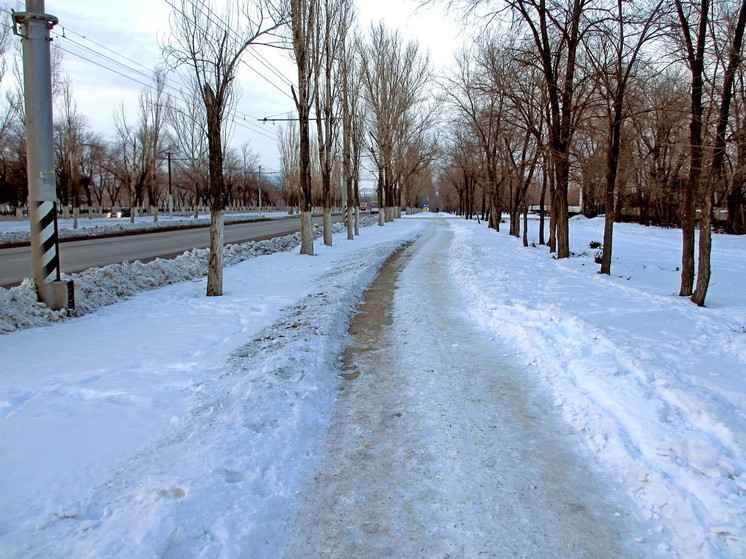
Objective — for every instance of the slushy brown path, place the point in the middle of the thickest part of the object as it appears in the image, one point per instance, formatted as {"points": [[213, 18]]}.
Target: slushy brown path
{"points": [[442, 446]]}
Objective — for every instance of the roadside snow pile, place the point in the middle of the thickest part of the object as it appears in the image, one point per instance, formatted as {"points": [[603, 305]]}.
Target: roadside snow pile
{"points": [[18, 232], [654, 384], [97, 287]]}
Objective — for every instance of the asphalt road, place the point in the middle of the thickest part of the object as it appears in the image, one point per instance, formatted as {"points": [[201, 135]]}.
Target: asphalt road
{"points": [[75, 256]]}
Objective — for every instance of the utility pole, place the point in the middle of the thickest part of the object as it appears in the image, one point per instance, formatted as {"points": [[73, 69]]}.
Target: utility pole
{"points": [[37, 77], [170, 196], [260, 189]]}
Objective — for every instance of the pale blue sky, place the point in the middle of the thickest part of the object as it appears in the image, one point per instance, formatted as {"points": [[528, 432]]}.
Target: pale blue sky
{"points": [[131, 31]]}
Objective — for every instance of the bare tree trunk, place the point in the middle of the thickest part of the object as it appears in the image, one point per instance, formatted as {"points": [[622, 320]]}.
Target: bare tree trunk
{"points": [[215, 260], [303, 17], [217, 197], [542, 201], [695, 57], [327, 223], [705, 249], [716, 171], [525, 223], [381, 197], [612, 164], [552, 213], [306, 231], [347, 117]]}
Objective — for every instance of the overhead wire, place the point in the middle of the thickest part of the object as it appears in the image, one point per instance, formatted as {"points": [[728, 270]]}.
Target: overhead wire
{"points": [[256, 54], [245, 121], [167, 82], [206, 11]]}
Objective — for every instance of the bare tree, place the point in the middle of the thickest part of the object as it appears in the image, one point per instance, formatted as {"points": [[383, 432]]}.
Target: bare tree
{"points": [[478, 96], [735, 198], [13, 182], [153, 109], [69, 131], [289, 145], [395, 76], [303, 14], [128, 164], [187, 120], [556, 29], [615, 55], [211, 46], [333, 22], [660, 147], [698, 15], [349, 78], [465, 168], [695, 52], [716, 174], [353, 124]]}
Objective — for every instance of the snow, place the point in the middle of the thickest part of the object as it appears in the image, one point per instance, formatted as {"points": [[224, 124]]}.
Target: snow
{"points": [[444, 447], [654, 383], [170, 424]]}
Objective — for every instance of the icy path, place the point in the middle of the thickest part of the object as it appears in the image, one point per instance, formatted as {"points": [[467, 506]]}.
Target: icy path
{"points": [[443, 448]]}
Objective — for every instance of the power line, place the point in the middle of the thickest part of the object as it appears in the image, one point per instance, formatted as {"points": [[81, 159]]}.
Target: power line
{"points": [[255, 128], [244, 117], [63, 49], [206, 11], [92, 51], [256, 54], [246, 121], [135, 62]]}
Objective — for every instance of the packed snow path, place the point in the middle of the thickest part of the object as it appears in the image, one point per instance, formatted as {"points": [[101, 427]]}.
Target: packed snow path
{"points": [[441, 447]]}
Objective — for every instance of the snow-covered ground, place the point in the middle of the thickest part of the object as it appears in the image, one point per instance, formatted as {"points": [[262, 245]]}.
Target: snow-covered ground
{"points": [[176, 425], [656, 385]]}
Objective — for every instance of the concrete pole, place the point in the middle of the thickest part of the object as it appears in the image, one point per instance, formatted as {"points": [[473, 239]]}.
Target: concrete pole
{"points": [[33, 26], [170, 196]]}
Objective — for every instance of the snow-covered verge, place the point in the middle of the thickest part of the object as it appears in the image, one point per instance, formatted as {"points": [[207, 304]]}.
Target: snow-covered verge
{"points": [[176, 425], [656, 385], [97, 287], [14, 231]]}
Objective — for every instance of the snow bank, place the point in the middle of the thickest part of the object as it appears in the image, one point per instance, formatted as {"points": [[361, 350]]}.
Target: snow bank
{"points": [[96, 287], [653, 383]]}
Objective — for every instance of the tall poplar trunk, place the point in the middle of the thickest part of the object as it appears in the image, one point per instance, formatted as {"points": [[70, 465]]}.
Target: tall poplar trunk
{"points": [[302, 24], [217, 191], [215, 259], [381, 197], [347, 146]]}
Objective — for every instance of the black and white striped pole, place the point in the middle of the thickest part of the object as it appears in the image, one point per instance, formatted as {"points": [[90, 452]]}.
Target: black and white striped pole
{"points": [[33, 26]]}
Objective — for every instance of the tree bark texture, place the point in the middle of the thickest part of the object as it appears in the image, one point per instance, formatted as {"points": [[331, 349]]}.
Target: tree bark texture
{"points": [[695, 59], [716, 169], [215, 259]]}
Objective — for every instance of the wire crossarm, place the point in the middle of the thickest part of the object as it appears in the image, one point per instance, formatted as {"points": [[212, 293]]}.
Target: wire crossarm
{"points": [[20, 18]]}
